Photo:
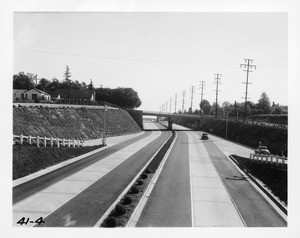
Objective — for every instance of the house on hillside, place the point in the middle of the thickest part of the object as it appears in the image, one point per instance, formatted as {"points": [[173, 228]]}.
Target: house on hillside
{"points": [[36, 95], [18, 95], [73, 96]]}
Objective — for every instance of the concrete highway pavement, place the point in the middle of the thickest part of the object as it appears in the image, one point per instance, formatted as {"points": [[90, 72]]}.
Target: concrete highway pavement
{"points": [[199, 186], [83, 194]]}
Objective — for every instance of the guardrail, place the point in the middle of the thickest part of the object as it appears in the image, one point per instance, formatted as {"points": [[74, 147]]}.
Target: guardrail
{"points": [[37, 140], [269, 159]]}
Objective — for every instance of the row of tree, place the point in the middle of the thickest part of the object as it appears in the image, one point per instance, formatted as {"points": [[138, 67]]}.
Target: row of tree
{"points": [[263, 106], [123, 97]]}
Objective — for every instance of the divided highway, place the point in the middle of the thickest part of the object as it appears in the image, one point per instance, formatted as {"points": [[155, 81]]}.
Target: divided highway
{"points": [[197, 187]]}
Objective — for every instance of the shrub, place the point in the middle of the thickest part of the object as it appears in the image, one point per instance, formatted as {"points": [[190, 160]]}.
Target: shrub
{"points": [[120, 210], [143, 176], [126, 200], [134, 190], [110, 222], [139, 182], [148, 171]]}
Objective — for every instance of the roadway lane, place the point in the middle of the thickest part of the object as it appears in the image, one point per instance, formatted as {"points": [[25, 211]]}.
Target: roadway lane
{"points": [[169, 204], [25, 190], [254, 209], [86, 208]]}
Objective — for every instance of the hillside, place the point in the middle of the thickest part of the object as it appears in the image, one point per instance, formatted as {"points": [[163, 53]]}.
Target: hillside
{"points": [[68, 122]]}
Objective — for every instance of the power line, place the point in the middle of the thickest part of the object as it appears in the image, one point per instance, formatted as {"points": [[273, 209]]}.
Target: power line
{"points": [[192, 90], [201, 87], [248, 66], [175, 102], [183, 96], [217, 90]]}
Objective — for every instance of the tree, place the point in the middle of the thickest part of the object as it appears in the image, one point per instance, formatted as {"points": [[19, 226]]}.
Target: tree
{"points": [[264, 103], [23, 81], [67, 74], [91, 86], [205, 106], [43, 84]]}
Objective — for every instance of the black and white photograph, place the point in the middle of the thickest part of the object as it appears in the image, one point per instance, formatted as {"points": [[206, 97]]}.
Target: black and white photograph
{"points": [[142, 118]]}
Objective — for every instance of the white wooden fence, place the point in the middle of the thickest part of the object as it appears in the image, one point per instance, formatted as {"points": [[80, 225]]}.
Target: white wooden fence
{"points": [[270, 159], [43, 140]]}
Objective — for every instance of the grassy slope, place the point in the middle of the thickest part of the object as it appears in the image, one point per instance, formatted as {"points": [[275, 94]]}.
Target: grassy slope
{"points": [[70, 123], [62, 123]]}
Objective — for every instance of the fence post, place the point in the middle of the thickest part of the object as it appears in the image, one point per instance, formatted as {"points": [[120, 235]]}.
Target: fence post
{"points": [[63, 141], [69, 143], [51, 141], [21, 139], [57, 139], [29, 139], [45, 141], [37, 141]]}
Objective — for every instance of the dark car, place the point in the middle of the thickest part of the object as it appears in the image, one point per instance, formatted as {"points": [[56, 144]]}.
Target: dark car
{"points": [[204, 136], [262, 150]]}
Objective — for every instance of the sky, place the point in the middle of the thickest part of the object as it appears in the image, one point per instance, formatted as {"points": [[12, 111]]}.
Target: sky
{"points": [[159, 54]]}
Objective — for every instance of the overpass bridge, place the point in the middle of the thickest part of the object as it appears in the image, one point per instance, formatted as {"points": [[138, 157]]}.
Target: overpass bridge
{"points": [[171, 116]]}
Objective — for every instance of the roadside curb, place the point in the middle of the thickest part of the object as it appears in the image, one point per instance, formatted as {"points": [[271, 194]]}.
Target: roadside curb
{"points": [[260, 186]]}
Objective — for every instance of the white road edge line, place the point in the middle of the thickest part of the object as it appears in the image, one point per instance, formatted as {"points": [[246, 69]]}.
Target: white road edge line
{"points": [[279, 211], [104, 216], [140, 207]]}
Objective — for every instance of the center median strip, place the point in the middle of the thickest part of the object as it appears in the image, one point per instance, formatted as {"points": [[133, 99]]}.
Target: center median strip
{"points": [[111, 218]]}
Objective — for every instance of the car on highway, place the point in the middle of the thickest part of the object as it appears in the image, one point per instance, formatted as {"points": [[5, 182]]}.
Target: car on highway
{"points": [[262, 150], [204, 136]]}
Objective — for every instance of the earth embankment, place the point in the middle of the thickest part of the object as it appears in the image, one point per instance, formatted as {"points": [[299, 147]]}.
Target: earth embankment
{"points": [[67, 122]]}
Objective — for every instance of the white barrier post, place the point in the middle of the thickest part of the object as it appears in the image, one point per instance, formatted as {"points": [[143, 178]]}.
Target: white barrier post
{"points": [[63, 141], [29, 139], [51, 141], [69, 143], [57, 139], [45, 141], [37, 141], [78, 143], [21, 139], [74, 143]]}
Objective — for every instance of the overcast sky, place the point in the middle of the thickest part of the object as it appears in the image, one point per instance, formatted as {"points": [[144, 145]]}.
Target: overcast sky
{"points": [[158, 54]]}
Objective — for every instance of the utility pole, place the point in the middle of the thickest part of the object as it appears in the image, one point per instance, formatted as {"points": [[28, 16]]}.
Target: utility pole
{"points": [[192, 90], [166, 107], [175, 102], [170, 105], [183, 96], [217, 90], [247, 67], [201, 87]]}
